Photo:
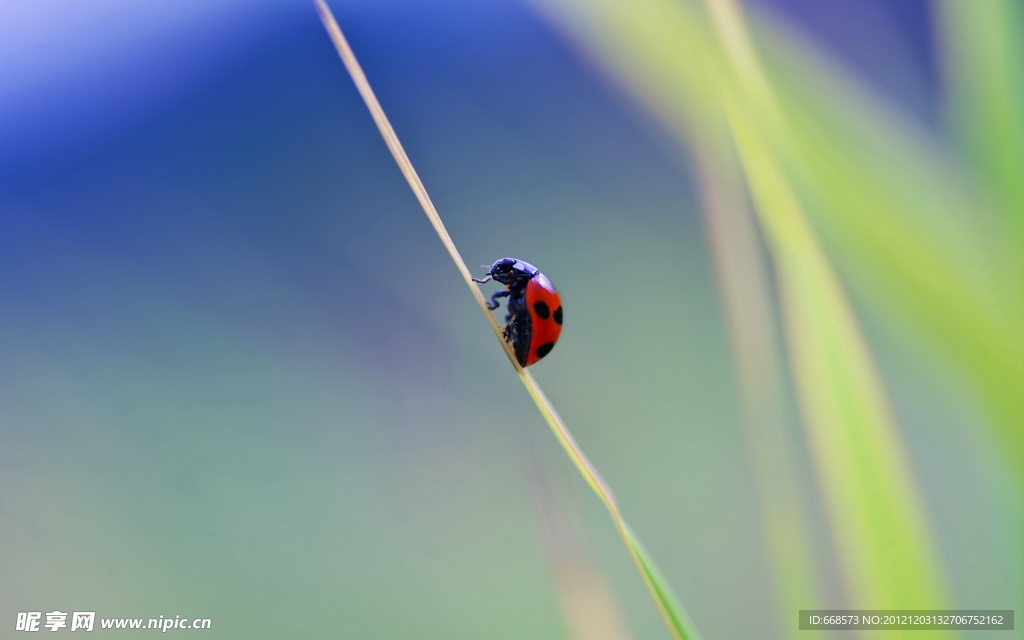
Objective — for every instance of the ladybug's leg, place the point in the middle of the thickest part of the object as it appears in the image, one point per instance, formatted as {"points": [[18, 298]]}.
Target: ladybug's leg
{"points": [[494, 304], [514, 308]]}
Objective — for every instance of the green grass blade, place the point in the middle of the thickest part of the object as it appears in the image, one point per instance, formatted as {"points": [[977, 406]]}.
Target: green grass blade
{"points": [[677, 617], [672, 612]]}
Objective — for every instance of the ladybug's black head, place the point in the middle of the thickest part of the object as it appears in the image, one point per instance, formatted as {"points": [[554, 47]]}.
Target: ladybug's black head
{"points": [[509, 271]]}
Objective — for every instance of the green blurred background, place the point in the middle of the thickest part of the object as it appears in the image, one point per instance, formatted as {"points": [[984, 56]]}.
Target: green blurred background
{"points": [[241, 380]]}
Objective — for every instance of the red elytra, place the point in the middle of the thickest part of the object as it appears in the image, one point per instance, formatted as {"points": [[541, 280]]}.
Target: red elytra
{"points": [[534, 318]]}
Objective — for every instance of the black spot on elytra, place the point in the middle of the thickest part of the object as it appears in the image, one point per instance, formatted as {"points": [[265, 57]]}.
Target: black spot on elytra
{"points": [[545, 349], [558, 315], [541, 309]]}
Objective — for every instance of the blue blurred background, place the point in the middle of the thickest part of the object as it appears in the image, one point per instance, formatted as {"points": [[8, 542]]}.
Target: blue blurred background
{"points": [[240, 378]]}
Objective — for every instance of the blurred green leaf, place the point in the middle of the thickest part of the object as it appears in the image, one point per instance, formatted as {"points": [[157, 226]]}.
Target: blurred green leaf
{"points": [[747, 300], [894, 209], [871, 497], [984, 59], [916, 237], [810, 152]]}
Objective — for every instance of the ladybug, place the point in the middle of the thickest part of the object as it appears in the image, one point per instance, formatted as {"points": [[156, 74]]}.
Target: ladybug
{"points": [[534, 318]]}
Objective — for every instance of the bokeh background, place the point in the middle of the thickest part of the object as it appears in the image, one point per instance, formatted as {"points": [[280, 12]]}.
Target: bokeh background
{"points": [[240, 378]]}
